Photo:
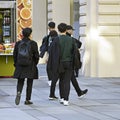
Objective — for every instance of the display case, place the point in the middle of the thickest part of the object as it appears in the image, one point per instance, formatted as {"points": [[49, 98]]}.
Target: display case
{"points": [[7, 36], [7, 21]]}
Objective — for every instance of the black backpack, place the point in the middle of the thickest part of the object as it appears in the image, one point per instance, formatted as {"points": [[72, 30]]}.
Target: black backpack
{"points": [[24, 57]]}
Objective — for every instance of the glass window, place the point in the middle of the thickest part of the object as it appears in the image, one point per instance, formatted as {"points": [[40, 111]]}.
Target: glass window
{"points": [[7, 21]]}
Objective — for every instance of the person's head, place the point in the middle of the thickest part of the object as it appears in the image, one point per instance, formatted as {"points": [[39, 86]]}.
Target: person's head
{"points": [[53, 33], [70, 29], [51, 26], [27, 32], [62, 27]]}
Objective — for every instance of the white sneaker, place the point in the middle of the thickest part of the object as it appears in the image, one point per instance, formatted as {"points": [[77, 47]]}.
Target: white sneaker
{"points": [[49, 83], [61, 100], [65, 103]]}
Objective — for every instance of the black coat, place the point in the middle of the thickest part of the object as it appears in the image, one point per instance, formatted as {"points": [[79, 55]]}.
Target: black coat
{"points": [[54, 56], [44, 46], [30, 71], [54, 64]]}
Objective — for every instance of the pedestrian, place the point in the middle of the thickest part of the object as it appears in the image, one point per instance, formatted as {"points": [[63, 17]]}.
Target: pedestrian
{"points": [[69, 32], [76, 68], [52, 64], [61, 65], [27, 69], [67, 46], [46, 42]]}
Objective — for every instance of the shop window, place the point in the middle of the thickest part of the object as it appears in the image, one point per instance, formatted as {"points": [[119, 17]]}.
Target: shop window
{"points": [[7, 26], [7, 21]]}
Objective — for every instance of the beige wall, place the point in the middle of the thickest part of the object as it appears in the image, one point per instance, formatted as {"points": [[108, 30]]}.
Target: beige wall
{"points": [[109, 40], [39, 20], [61, 11], [102, 31]]}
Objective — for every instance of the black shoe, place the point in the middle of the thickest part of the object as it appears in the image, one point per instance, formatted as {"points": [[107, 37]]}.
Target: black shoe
{"points": [[17, 99], [28, 102], [83, 92], [53, 97]]}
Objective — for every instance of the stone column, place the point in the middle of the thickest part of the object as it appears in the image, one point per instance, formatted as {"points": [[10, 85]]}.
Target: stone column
{"points": [[39, 20]]}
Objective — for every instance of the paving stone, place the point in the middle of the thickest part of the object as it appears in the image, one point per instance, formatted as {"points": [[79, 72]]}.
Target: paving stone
{"points": [[102, 102]]}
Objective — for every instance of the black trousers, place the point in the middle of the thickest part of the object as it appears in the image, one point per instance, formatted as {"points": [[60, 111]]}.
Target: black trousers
{"points": [[76, 72], [64, 83], [49, 73], [53, 84], [20, 85], [75, 83]]}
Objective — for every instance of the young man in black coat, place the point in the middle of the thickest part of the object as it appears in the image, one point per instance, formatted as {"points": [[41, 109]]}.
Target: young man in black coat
{"points": [[27, 71], [58, 72], [76, 68], [46, 42]]}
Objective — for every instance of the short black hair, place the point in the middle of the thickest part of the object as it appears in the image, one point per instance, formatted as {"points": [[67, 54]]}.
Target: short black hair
{"points": [[62, 27], [69, 27], [26, 32], [51, 24], [53, 33]]}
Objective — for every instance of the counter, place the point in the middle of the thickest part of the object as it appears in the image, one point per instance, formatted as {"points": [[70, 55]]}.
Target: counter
{"points": [[6, 65]]}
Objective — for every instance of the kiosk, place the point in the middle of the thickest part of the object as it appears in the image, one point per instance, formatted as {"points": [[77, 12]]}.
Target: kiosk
{"points": [[14, 16]]}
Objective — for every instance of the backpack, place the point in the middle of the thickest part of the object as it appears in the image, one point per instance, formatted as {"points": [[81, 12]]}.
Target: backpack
{"points": [[77, 64], [24, 57]]}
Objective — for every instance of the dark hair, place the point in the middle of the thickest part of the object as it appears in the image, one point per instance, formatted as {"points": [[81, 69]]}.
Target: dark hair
{"points": [[26, 32], [51, 24], [53, 33], [62, 27], [69, 27]]}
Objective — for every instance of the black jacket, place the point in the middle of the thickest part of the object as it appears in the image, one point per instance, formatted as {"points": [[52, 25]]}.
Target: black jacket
{"points": [[78, 43], [44, 46], [54, 56], [77, 57], [30, 71]]}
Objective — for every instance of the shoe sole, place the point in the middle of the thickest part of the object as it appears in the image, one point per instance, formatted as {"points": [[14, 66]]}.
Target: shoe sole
{"points": [[65, 104], [61, 101], [53, 98], [82, 96], [28, 103]]}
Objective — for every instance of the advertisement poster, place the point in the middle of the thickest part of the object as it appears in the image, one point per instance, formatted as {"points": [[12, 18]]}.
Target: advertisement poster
{"points": [[24, 16]]}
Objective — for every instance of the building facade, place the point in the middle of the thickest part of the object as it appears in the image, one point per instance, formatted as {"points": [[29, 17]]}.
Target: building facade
{"points": [[97, 22], [100, 31]]}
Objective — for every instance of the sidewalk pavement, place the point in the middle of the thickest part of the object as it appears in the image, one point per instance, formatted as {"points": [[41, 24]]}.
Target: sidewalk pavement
{"points": [[102, 102]]}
